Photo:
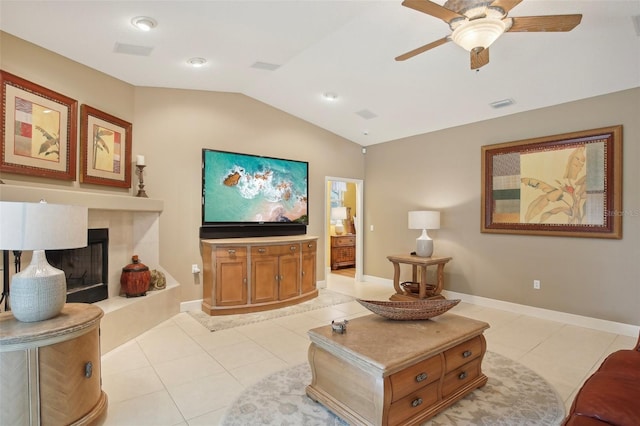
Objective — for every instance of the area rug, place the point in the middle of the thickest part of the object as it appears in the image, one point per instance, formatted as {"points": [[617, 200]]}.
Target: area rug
{"points": [[325, 298], [514, 395]]}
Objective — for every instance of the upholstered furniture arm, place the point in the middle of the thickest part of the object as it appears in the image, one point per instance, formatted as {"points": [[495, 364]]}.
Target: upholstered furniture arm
{"points": [[637, 348]]}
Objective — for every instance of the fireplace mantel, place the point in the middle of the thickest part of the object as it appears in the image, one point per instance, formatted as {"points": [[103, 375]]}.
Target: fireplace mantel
{"points": [[134, 228], [92, 200]]}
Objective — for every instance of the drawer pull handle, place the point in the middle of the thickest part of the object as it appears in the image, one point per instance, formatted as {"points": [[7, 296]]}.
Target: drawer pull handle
{"points": [[310, 245], [462, 375], [231, 251], [262, 250], [293, 248], [88, 370], [466, 354], [277, 277], [416, 402], [420, 377]]}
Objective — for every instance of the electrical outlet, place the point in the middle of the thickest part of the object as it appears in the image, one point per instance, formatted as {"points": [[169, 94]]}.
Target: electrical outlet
{"points": [[536, 284], [371, 228]]}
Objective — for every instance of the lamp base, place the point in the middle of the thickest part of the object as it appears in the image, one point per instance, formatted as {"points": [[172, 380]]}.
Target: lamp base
{"points": [[39, 292], [424, 246], [339, 228]]}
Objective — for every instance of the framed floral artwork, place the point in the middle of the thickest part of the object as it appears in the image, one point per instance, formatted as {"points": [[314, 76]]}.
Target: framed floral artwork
{"points": [[39, 130], [105, 148], [564, 185]]}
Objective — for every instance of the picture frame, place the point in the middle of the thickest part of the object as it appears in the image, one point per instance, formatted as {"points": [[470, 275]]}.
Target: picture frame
{"points": [[38, 136], [567, 185], [105, 148]]}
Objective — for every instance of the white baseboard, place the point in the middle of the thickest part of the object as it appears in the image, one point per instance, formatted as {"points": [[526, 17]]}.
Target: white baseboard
{"points": [[577, 320], [191, 305]]}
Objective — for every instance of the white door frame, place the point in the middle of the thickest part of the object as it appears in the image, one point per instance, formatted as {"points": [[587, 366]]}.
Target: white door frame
{"points": [[357, 223]]}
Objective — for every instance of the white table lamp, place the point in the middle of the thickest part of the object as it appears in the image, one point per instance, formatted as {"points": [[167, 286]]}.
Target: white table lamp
{"points": [[39, 292], [339, 214], [424, 220]]}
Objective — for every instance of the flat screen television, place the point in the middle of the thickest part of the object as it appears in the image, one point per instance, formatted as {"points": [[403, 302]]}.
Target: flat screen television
{"points": [[252, 195]]}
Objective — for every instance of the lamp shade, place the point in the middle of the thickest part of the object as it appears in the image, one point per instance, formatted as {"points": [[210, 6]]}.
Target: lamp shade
{"points": [[478, 33], [338, 213], [39, 291], [424, 219], [42, 226]]}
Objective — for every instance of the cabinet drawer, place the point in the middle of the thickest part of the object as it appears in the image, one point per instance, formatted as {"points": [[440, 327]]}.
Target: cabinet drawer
{"points": [[415, 377], [413, 404], [231, 252], [344, 241], [275, 250], [462, 353], [309, 246], [460, 377]]}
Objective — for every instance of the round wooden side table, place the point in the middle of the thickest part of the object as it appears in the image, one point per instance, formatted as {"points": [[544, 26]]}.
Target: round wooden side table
{"points": [[50, 370]]}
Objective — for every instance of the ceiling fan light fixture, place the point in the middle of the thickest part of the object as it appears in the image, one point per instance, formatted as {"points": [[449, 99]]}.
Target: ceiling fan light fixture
{"points": [[478, 33]]}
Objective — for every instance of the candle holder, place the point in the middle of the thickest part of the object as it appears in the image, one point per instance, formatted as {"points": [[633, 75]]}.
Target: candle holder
{"points": [[141, 193]]}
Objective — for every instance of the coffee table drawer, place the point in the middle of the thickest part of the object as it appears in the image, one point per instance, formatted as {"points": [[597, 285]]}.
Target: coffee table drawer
{"points": [[415, 377], [460, 377], [413, 404], [463, 353]]}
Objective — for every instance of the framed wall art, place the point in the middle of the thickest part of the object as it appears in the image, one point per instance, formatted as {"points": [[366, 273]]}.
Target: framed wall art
{"points": [[105, 148], [39, 130], [564, 185]]}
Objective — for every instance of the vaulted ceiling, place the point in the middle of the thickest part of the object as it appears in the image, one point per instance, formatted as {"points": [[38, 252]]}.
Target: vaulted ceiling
{"points": [[288, 54]]}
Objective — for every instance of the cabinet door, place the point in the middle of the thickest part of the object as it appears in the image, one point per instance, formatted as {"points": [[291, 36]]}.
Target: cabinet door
{"points": [[231, 281], [308, 267], [264, 279], [69, 388], [289, 283]]}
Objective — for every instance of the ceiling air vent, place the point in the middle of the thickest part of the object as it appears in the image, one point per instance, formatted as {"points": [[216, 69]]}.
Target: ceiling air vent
{"points": [[366, 114], [501, 104], [265, 66], [132, 49]]}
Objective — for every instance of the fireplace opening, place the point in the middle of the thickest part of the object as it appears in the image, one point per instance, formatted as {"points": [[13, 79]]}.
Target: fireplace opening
{"points": [[86, 268]]}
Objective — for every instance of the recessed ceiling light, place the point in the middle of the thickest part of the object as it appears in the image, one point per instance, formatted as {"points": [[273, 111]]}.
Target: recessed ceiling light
{"points": [[197, 62], [330, 96], [144, 23]]}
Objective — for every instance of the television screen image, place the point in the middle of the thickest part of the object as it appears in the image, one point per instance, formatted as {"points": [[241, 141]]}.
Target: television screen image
{"points": [[250, 189]]}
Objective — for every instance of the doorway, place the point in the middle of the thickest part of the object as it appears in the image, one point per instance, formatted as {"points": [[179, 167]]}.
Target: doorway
{"points": [[338, 194]]}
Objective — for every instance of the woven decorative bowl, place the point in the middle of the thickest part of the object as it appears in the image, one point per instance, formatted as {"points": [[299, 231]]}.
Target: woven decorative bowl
{"points": [[409, 310]]}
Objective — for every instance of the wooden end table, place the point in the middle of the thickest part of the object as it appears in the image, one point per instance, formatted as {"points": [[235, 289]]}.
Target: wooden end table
{"points": [[416, 263], [384, 372]]}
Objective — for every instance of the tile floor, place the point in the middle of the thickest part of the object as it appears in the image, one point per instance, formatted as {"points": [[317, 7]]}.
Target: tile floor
{"points": [[179, 373]]}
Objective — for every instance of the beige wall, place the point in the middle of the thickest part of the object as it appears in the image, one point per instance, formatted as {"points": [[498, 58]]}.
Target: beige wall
{"points": [[441, 170], [71, 79], [592, 277], [170, 127]]}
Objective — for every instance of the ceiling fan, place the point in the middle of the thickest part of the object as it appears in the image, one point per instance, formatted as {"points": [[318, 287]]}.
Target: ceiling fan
{"points": [[475, 24]]}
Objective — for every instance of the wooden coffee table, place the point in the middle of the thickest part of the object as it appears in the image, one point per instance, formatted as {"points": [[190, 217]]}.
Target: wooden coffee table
{"points": [[385, 372]]}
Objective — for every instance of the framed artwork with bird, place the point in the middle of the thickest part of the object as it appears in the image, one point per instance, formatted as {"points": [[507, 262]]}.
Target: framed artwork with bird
{"points": [[39, 130], [567, 185], [105, 148]]}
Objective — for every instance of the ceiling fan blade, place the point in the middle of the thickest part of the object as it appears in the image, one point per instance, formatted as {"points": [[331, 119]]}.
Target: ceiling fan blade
{"points": [[479, 58], [433, 9], [421, 49], [545, 23], [506, 5]]}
